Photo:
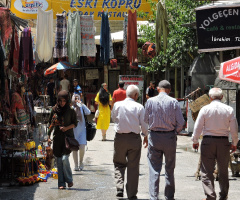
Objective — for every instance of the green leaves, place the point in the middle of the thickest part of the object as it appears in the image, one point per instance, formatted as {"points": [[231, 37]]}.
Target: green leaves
{"points": [[182, 41]]}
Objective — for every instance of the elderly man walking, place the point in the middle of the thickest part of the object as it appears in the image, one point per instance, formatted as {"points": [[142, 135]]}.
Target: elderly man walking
{"points": [[164, 117], [128, 116], [215, 122]]}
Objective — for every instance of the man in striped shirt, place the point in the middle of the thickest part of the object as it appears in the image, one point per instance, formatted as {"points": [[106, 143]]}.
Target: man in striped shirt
{"points": [[164, 117]]}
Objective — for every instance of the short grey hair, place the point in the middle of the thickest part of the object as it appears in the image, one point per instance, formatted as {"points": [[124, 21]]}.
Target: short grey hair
{"points": [[132, 90], [215, 93]]}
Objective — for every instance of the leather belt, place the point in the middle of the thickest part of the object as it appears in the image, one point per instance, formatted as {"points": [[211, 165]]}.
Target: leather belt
{"points": [[162, 131], [215, 137]]}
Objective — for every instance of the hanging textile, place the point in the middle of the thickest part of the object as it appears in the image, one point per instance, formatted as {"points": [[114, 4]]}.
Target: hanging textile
{"points": [[161, 28], [14, 52], [2, 74], [125, 24], [111, 52], [44, 43], [34, 54], [104, 39], [60, 50], [5, 24], [88, 36], [73, 39], [132, 36], [25, 62]]}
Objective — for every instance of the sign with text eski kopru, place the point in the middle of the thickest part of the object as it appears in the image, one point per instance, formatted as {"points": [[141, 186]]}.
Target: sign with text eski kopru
{"points": [[218, 27]]}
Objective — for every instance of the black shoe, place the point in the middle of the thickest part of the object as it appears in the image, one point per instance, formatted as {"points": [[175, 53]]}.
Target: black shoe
{"points": [[119, 193], [133, 198]]}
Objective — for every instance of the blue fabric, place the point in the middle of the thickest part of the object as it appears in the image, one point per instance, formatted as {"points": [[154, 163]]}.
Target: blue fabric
{"points": [[104, 39], [77, 90], [80, 130], [64, 171]]}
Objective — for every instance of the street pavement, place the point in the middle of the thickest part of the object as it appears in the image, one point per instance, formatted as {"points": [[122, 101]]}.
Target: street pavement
{"points": [[96, 181]]}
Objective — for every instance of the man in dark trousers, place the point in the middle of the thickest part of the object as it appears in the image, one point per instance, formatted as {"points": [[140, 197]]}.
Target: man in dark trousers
{"points": [[50, 90], [215, 122], [128, 116], [164, 117], [120, 93]]}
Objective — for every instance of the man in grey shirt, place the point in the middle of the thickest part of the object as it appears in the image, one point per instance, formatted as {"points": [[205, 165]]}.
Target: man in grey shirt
{"points": [[164, 117]]}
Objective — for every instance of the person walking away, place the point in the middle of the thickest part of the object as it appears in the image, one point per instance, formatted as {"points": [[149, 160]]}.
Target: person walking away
{"points": [[165, 120], [151, 90], [76, 88], [120, 93], [62, 119], [80, 131], [65, 84], [128, 116], [104, 100], [215, 122], [50, 90]]}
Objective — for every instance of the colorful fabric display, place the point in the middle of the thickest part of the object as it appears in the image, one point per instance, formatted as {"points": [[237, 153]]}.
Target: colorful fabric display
{"points": [[14, 52], [44, 43], [60, 50], [5, 24], [88, 36]]}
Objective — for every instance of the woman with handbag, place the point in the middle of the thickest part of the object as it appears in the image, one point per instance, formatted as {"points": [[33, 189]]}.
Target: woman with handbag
{"points": [[80, 131], [104, 101], [62, 119]]}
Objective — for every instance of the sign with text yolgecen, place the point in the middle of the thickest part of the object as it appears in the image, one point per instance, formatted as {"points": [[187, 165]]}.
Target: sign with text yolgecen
{"points": [[27, 9], [218, 27]]}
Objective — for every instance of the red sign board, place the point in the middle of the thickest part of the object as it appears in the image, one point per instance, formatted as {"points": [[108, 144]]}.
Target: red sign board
{"points": [[230, 70]]}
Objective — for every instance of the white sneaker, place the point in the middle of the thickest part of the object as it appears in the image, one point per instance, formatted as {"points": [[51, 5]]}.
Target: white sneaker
{"points": [[81, 166], [76, 169]]}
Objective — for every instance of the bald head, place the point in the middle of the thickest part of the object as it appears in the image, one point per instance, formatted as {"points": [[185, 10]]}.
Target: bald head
{"points": [[215, 93], [132, 91]]}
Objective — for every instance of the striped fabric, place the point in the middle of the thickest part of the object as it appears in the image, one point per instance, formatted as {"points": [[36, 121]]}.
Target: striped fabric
{"points": [[163, 113]]}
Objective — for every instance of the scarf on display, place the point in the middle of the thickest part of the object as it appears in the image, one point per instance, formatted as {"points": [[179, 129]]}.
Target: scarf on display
{"points": [[125, 24], [77, 107], [88, 36], [60, 50], [14, 53], [5, 24], [2, 74], [132, 36], [104, 39]]}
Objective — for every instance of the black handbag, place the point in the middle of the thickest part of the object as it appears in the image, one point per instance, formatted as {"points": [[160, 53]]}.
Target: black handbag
{"points": [[90, 129], [71, 144]]}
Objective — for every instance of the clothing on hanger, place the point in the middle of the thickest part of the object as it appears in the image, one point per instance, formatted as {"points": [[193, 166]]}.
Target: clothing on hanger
{"points": [[104, 39], [125, 24], [5, 24], [44, 43], [73, 38], [60, 49], [14, 52], [161, 28], [88, 36], [132, 36]]}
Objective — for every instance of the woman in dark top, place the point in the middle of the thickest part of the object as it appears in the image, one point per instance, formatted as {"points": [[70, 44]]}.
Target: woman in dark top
{"points": [[62, 119]]}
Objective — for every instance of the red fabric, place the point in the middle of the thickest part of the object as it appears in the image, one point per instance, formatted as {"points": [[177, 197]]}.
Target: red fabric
{"points": [[17, 102], [113, 63], [14, 54], [5, 24], [119, 94], [132, 36]]}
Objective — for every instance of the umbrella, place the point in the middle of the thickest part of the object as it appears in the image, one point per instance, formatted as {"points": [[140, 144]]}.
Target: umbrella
{"points": [[230, 70], [59, 66]]}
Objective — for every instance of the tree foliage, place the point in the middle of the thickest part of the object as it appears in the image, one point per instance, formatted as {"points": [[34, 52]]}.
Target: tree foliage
{"points": [[182, 41]]}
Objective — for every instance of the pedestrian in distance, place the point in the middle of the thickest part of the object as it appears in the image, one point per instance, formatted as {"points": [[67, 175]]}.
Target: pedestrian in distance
{"points": [[128, 116], [104, 101], [62, 119], [50, 90], [165, 120], [215, 122], [76, 88], [120, 93], [64, 83], [79, 131], [151, 91]]}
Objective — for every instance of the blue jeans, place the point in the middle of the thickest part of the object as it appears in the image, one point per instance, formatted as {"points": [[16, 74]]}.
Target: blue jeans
{"points": [[64, 171]]}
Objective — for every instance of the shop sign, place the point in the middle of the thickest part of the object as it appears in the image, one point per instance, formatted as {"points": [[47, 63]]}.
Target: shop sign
{"points": [[137, 80], [230, 70], [218, 27], [91, 74], [27, 9]]}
